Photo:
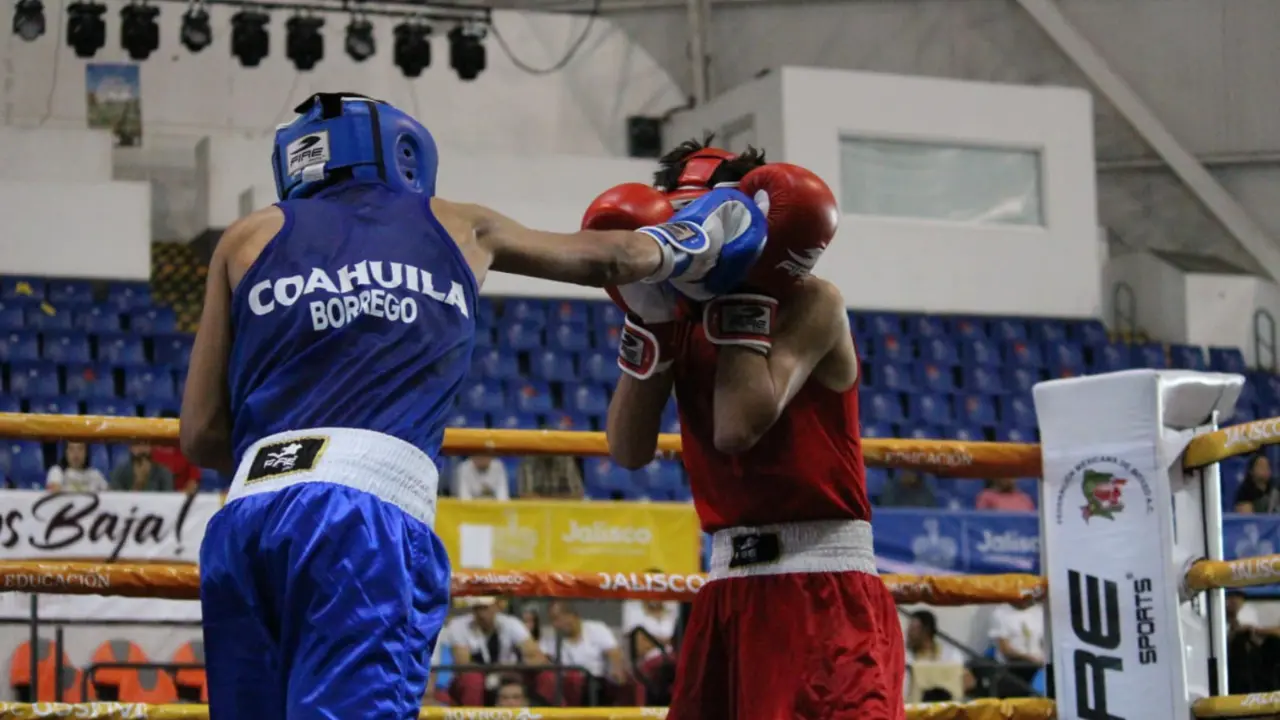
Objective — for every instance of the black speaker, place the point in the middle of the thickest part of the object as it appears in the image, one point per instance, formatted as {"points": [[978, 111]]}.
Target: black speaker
{"points": [[644, 137]]}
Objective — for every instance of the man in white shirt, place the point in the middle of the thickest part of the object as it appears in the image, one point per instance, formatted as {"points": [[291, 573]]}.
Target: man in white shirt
{"points": [[480, 477], [656, 617], [488, 637], [588, 644], [1018, 635]]}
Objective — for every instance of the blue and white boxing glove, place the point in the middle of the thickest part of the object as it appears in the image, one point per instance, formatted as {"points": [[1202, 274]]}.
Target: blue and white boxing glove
{"points": [[709, 246]]}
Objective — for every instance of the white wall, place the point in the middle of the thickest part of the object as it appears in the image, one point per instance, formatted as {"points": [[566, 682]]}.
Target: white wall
{"points": [[903, 264], [70, 155], [1159, 295]]}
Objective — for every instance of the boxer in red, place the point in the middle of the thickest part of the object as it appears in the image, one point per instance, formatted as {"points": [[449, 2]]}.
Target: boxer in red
{"points": [[794, 622]]}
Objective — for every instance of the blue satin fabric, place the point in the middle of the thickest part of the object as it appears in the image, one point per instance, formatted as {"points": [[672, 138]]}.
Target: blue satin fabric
{"points": [[319, 601]]}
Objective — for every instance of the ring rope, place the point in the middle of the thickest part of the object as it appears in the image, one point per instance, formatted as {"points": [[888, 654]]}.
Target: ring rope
{"points": [[182, 582], [1244, 572], [1238, 706], [1010, 709]]}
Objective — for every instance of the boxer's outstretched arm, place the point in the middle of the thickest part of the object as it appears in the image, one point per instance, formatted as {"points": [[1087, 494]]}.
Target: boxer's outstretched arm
{"points": [[753, 390], [635, 417]]}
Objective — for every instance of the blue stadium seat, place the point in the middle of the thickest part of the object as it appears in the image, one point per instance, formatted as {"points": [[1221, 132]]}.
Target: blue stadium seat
{"points": [[983, 380], [519, 335], [10, 404], [560, 420], [1021, 352], [96, 319], [47, 317], [882, 406], [1249, 392], [533, 396], [932, 409], [568, 312], [659, 480], [882, 323], [1022, 379], [21, 288], [936, 378], [161, 408], [25, 464], [607, 339], [1008, 329], [153, 321], [1089, 332], [891, 348], [573, 338], [128, 296], [518, 421], [484, 338], [12, 315], [494, 364], [464, 419], [606, 315], [601, 366], [976, 409], [1149, 355], [876, 479], [1017, 411], [1015, 434], [1227, 360], [33, 380], [1064, 355], [1048, 331], [174, 350], [53, 405], [483, 396], [1243, 414], [1266, 384], [966, 433], [1187, 357], [586, 398], [66, 347], [70, 292], [121, 350], [553, 366], [920, 431], [877, 430], [979, 351], [926, 326], [485, 313], [87, 381], [149, 385], [894, 377], [526, 310], [98, 458], [211, 481], [18, 346], [938, 350], [117, 407], [605, 480], [969, 329], [1109, 358]]}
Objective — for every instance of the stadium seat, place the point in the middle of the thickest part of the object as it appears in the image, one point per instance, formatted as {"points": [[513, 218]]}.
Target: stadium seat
{"points": [[46, 317], [885, 407], [25, 461], [969, 328], [932, 409], [939, 350], [571, 338], [172, 350], [894, 377], [1048, 331], [12, 315], [1014, 434], [965, 433], [606, 315], [484, 338], [604, 479], [46, 680], [1022, 379], [1008, 329], [586, 398], [607, 339], [10, 404], [53, 405], [117, 407], [128, 296], [483, 396], [1021, 352], [33, 379], [18, 346], [976, 409], [568, 312], [1109, 357], [1064, 355], [150, 385], [1017, 411], [936, 378], [1149, 355], [87, 381], [525, 310], [560, 420], [880, 324], [519, 335], [96, 319], [132, 685], [66, 347], [891, 348], [153, 321], [532, 396], [601, 366], [212, 481], [494, 364], [670, 424], [979, 351], [518, 421], [160, 409], [1088, 332], [192, 679], [660, 479], [98, 458], [21, 288], [70, 292], [926, 326], [553, 366], [1187, 357], [472, 419], [1226, 360], [985, 380], [485, 313], [876, 479], [121, 350], [877, 430]]}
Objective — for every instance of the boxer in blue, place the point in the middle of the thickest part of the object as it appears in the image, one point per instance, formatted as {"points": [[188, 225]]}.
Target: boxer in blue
{"points": [[338, 326]]}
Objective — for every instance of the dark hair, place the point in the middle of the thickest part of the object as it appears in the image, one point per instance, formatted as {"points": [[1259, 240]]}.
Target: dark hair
{"points": [[1253, 462], [62, 459], [672, 164], [927, 620], [508, 680]]}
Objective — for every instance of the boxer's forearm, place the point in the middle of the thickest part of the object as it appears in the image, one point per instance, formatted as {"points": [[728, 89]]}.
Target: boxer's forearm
{"points": [[747, 400], [635, 417]]}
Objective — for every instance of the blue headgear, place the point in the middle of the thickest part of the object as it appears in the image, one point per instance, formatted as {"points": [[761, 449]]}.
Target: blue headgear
{"points": [[339, 136]]}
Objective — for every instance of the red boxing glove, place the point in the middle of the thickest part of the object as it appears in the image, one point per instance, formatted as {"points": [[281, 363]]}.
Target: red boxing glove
{"points": [[627, 207], [803, 218], [742, 319]]}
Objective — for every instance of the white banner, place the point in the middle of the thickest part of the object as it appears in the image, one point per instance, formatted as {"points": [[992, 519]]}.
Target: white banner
{"points": [[124, 526]]}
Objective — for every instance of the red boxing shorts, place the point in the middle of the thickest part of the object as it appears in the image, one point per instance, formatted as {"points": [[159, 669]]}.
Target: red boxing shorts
{"points": [[794, 624]]}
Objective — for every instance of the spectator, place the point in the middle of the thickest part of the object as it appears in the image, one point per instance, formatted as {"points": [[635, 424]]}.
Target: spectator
{"points": [[186, 477], [1253, 651], [511, 693], [907, 489], [1018, 634], [1258, 493], [588, 644], [480, 477], [1003, 495], [140, 474], [72, 473], [550, 476], [488, 637], [658, 618], [532, 622], [922, 641]]}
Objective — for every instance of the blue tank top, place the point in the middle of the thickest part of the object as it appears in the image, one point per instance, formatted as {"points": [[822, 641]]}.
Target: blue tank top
{"points": [[360, 314]]}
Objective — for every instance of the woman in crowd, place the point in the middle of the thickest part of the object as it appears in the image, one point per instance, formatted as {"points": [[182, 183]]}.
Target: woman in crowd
{"points": [[1258, 494], [73, 473]]}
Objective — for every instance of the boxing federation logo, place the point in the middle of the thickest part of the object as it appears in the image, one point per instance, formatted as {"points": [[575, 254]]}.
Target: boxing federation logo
{"points": [[1102, 495], [286, 457]]}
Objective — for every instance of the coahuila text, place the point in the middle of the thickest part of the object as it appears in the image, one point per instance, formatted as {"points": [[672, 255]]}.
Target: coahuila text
{"points": [[345, 304]]}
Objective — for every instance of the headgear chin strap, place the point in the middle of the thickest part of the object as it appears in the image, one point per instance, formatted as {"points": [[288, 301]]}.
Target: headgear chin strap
{"points": [[344, 135], [696, 174]]}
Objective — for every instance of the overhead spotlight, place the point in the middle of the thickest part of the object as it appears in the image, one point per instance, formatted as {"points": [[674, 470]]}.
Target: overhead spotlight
{"points": [[250, 41], [28, 19], [413, 49], [466, 51], [139, 31], [196, 33], [86, 31], [303, 43], [360, 42]]}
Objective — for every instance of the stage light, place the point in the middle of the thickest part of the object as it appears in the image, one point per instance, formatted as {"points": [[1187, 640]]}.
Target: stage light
{"points": [[86, 31], [28, 19], [139, 31], [250, 41], [412, 49], [196, 32], [466, 51], [303, 43], [360, 43]]}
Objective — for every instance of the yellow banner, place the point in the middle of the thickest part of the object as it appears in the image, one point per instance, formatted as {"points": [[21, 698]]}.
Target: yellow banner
{"points": [[569, 536]]}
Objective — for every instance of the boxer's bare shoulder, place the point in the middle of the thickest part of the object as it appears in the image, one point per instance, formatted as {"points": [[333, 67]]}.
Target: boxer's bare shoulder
{"points": [[820, 306], [242, 243]]}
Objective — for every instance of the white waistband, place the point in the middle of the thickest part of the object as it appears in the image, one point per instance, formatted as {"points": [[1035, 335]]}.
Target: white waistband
{"points": [[386, 467], [808, 547]]}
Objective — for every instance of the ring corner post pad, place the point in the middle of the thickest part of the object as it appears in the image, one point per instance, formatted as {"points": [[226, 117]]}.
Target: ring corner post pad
{"points": [[1111, 447]]}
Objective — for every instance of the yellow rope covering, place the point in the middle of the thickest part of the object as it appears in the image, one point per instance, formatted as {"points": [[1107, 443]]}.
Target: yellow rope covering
{"points": [[1252, 705], [1261, 570], [1012, 709]]}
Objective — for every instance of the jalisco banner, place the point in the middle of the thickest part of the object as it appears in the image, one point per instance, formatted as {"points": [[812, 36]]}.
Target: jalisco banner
{"points": [[569, 536]]}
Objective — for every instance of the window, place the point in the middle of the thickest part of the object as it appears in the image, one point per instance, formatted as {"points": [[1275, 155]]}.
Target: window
{"points": [[954, 183]]}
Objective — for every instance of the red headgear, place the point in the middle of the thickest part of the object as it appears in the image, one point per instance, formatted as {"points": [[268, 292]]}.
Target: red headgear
{"points": [[695, 176]]}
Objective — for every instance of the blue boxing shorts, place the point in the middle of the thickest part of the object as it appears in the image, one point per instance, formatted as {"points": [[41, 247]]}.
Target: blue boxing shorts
{"points": [[322, 585]]}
